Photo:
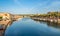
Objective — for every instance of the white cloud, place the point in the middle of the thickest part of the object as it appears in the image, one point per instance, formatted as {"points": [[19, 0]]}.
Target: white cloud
{"points": [[53, 6], [40, 7]]}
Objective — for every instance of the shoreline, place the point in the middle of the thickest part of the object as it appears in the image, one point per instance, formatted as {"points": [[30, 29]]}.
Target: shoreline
{"points": [[47, 20]]}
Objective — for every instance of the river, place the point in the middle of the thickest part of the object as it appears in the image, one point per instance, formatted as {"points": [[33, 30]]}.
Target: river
{"points": [[29, 27]]}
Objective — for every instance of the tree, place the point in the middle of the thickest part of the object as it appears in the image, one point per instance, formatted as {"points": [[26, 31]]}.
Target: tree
{"points": [[0, 18]]}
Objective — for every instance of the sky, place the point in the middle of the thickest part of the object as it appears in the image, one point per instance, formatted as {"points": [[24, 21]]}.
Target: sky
{"points": [[29, 6]]}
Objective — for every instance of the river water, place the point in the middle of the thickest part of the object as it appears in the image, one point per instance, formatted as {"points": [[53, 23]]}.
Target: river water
{"points": [[29, 27]]}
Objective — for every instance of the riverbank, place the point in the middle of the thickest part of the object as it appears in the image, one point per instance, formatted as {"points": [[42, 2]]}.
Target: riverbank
{"points": [[3, 26], [58, 20], [48, 20]]}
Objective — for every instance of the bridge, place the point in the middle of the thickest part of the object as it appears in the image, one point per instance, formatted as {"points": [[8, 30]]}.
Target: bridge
{"points": [[17, 16]]}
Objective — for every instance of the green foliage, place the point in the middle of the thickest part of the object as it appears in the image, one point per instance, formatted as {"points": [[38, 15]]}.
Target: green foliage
{"points": [[0, 17], [53, 14], [49, 14]]}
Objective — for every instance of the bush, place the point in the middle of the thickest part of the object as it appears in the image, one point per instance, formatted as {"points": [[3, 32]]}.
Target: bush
{"points": [[0, 17]]}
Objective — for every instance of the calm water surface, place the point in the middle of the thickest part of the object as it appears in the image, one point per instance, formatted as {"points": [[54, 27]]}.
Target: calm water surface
{"points": [[29, 27]]}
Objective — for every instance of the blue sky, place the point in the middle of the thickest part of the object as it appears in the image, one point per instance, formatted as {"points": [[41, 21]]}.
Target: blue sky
{"points": [[29, 6]]}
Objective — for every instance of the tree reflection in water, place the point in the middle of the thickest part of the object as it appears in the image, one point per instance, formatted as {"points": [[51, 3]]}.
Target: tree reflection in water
{"points": [[50, 24]]}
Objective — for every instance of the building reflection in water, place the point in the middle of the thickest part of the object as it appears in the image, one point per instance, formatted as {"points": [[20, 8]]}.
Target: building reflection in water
{"points": [[50, 24]]}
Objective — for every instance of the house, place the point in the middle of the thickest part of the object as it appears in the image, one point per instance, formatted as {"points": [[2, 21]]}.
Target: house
{"points": [[5, 18]]}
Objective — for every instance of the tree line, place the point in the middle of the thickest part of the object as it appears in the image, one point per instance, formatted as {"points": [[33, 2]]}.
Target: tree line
{"points": [[49, 14]]}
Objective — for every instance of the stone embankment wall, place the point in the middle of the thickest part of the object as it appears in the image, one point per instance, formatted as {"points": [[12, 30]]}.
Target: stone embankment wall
{"points": [[16, 17], [5, 20]]}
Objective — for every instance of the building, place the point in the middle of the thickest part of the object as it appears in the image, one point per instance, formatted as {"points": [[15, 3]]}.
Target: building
{"points": [[5, 18]]}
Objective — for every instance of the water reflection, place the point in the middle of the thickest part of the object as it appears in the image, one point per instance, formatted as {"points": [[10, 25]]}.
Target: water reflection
{"points": [[29, 27], [51, 24]]}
